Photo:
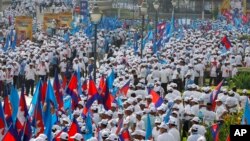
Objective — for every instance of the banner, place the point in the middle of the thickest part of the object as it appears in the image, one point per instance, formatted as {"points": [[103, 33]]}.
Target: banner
{"points": [[84, 7], [65, 19], [47, 20], [23, 26]]}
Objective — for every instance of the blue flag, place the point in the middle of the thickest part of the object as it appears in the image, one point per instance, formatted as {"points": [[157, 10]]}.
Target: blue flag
{"points": [[89, 133], [111, 79], [246, 115], [14, 100], [168, 112], [148, 129]]}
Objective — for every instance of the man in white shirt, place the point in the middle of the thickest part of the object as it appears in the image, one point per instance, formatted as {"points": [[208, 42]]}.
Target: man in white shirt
{"points": [[173, 130], [165, 135], [30, 78]]}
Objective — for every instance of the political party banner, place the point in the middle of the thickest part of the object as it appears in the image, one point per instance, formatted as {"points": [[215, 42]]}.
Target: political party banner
{"points": [[84, 7], [23, 26], [47, 20], [65, 19]]}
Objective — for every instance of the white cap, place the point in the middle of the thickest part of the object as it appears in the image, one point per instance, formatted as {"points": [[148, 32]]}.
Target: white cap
{"points": [[43, 136], [77, 137], [164, 126], [64, 136], [113, 137], [196, 119]]}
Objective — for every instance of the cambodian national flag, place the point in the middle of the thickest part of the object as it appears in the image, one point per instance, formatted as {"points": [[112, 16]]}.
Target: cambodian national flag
{"points": [[2, 122], [124, 89], [72, 90], [156, 99], [58, 91], [7, 110], [124, 136], [108, 99], [102, 86], [11, 135], [37, 122], [215, 131], [214, 94], [225, 41], [74, 128], [92, 96], [22, 112]]}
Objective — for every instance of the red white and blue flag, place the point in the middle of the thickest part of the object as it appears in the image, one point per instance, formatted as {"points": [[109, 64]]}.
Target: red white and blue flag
{"points": [[214, 94]]}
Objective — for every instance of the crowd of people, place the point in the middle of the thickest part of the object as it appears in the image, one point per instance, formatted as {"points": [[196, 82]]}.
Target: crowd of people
{"points": [[177, 73]]}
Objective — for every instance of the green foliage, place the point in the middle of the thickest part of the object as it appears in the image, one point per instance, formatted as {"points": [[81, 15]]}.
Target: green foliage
{"points": [[241, 81]]}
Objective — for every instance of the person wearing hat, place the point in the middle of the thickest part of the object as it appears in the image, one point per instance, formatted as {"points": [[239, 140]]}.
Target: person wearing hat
{"points": [[164, 134], [244, 98], [156, 129], [139, 122], [209, 115], [194, 134], [220, 109], [77, 137], [232, 102], [213, 71], [42, 70], [112, 137], [138, 135], [173, 129], [234, 70], [64, 136], [30, 75]]}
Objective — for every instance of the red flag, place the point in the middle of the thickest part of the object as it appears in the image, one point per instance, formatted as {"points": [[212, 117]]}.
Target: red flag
{"points": [[156, 99], [11, 135], [58, 92], [72, 90], [64, 83], [226, 42], [7, 110], [22, 112], [38, 119], [43, 91], [214, 94], [215, 132], [125, 88], [74, 128], [102, 86], [124, 135], [85, 85]]}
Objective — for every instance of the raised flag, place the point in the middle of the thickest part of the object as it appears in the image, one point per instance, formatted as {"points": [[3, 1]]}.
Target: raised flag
{"points": [[225, 41], [58, 92], [119, 127], [72, 90], [124, 136], [14, 100], [36, 97], [156, 99], [149, 129], [124, 89], [92, 96], [22, 112], [215, 131], [7, 111], [168, 112], [246, 115], [11, 134], [2, 122], [214, 95], [38, 119], [88, 122], [102, 86], [43, 91], [50, 106], [74, 128]]}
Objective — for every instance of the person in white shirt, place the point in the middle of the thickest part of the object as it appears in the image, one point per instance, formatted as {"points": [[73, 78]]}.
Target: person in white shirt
{"points": [[165, 134], [234, 70], [156, 129], [42, 70], [62, 67], [194, 134], [30, 78], [225, 70], [173, 130]]}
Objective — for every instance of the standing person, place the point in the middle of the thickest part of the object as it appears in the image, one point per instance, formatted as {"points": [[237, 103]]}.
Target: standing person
{"points": [[9, 79], [53, 27], [42, 70], [30, 78], [2, 76], [213, 74], [16, 69]]}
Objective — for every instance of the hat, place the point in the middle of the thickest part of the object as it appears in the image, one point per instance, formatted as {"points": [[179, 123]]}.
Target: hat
{"points": [[164, 126], [196, 119], [77, 137], [113, 137], [64, 136], [138, 132], [43, 136], [172, 122]]}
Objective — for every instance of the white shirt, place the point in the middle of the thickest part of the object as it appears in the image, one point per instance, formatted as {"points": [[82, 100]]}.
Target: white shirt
{"points": [[30, 73], [164, 136], [175, 133], [193, 137]]}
